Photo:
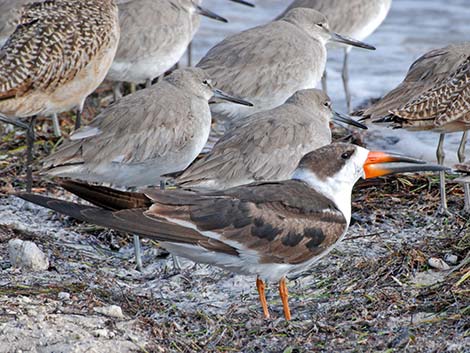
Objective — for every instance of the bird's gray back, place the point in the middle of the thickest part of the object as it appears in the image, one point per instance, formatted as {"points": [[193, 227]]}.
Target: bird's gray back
{"points": [[148, 125], [345, 16], [264, 146], [266, 64], [150, 27]]}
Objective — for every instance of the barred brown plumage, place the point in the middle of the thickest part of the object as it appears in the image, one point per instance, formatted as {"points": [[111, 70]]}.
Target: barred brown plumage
{"points": [[59, 53], [56, 43], [434, 96]]}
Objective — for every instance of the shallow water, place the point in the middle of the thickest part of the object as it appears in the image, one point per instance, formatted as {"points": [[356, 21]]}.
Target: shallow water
{"points": [[412, 28]]}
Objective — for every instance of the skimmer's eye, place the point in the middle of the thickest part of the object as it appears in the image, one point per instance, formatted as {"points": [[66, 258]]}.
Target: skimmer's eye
{"points": [[347, 155]]}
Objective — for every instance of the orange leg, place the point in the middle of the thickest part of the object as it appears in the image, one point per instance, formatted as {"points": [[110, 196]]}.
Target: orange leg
{"points": [[284, 297], [262, 297]]}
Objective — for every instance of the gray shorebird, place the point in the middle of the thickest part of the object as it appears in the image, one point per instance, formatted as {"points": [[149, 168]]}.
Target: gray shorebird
{"points": [[152, 132], [433, 97], [270, 230], [154, 37], [269, 63], [253, 149], [57, 56], [355, 18]]}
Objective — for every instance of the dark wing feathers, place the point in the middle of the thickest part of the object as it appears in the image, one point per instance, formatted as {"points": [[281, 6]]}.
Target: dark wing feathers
{"points": [[105, 197], [134, 221], [282, 222]]}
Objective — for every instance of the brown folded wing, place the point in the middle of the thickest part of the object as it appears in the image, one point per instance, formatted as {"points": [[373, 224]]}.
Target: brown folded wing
{"points": [[285, 222]]}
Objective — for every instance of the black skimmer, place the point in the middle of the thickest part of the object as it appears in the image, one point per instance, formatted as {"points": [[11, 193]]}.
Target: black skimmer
{"points": [[267, 229]]}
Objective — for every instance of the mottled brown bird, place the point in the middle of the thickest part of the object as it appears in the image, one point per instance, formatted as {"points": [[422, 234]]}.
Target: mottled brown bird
{"points": [[270, 229], [58, 55], [10, 15], [435, 96]]}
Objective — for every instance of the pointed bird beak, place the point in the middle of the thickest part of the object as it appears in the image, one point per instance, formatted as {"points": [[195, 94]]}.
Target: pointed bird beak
{"points": [[374, 165], [222, 95], [204, 12], [246, 3], [338, 38], [347, 120]]}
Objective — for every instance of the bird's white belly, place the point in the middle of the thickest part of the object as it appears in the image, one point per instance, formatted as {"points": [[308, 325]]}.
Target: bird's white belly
{"points": [[371, 25], [150, 67], [130, 175]]}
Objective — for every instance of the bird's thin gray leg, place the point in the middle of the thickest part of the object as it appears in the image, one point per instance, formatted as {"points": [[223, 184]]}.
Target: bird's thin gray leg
{"points": [[442, 176], [148, 83], [176, 261], [30, 137], [133, 87], [138, 253], [345, 76], [324, 83], [461, 155], [78, 119], [13, 122], [117, 92], [190, 54], [56, 125], [137, 249]]}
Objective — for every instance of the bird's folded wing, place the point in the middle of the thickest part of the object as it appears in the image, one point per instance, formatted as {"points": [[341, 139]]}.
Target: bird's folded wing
{"points": [[447, 101], [242, 64], [131, 221], [251, 152], [139, 128], [427, 71], [283, 222]]}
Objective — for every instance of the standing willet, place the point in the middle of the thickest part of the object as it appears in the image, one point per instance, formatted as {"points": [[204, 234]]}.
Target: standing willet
{"points": [[154, 36], [433, 97], [153, 132], [355, 18], [268, 64], [271, 230], [266, 146], [57, 56]]}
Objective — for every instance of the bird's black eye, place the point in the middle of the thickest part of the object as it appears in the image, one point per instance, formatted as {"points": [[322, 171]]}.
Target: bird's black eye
{"points": [[327, 104], [347, 155], [205, 82], [320, 25]]}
